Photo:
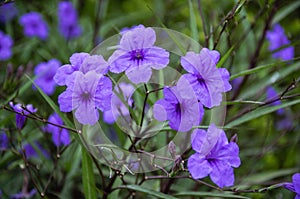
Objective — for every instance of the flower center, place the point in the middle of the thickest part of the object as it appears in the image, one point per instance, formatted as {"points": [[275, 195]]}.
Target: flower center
{"points": [[86, 96], [137, 55]]}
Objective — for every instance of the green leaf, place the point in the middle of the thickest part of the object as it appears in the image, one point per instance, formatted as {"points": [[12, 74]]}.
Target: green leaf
{"points": [[209, 194], [259, 68], [88, 179], [193, 22], [270, 79], [18, 92], [282, 13], [260, 112], [260, 178], [225, 57], [147, 191]]}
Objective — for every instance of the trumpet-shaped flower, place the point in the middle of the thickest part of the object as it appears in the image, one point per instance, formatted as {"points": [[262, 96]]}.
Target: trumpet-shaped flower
{"points": [[34, 25], [59, 135], [214, 156], [5, 46], [86, 93], [278, 39], [68, 20], [207, 80], [137, 54], [179, 106], [45, 72]]}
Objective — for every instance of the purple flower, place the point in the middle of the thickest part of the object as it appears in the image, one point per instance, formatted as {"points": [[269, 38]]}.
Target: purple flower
{"points": [[179, 106], [21, 113], [24, 194], [34, 25], [33, 151], [3, 141], [214, 156], [68, 22], [45, 72], [59, 135], [277, 39], [136, 55], [86, 93], [207, 80], [80, 62], [272, 95], [7, 12], [295, 185], [118, 108], [5, 46], [126, 29]]}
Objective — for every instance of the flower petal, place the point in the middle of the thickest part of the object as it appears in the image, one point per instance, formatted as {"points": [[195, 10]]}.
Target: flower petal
{"points": [[198, 166], [141, 74], [296, 182], [65, 101], [222, 174]]}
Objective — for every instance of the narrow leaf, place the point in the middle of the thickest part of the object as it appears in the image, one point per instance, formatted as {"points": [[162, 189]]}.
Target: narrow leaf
{"points": [[88, 179], [260, 112], [193, 22], [147, 191], [225, 57], [209, 194]]}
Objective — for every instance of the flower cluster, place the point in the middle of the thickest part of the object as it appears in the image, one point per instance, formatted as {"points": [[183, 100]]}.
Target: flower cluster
{"points": [[68, 20], [89, 90]]}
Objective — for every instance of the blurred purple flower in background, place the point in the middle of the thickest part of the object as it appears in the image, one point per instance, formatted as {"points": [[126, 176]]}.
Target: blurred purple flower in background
{"points": [[118, 108], [59, 135], [34, 25], [285, 120], [34, 150], [22, 112], [214, 156], [294, 186], [277, 39], [3, 142], [272, 95], [24, 194], [68, 20], [86, 93], [180, 106], [208, 81], [80, 62], [7, 12], [5, 46], [136, 55], [45, 72]]}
